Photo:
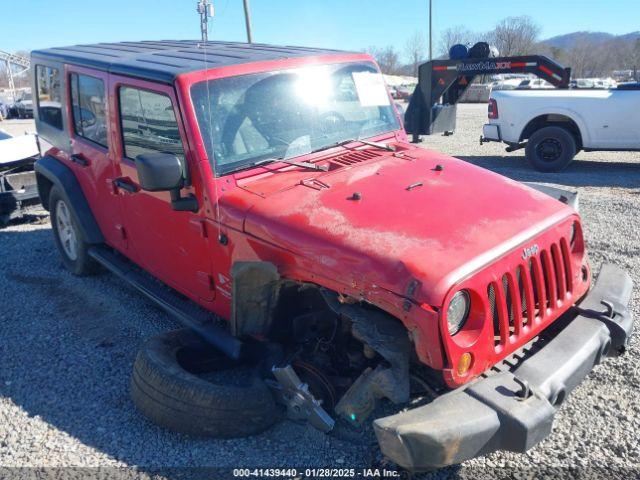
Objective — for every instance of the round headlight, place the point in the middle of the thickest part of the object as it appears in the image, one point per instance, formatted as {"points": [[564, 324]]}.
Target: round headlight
{"points": [[458, 311]]}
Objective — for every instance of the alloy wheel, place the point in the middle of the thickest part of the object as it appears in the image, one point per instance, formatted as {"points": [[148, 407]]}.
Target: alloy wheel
{"points": [[66, 231]]}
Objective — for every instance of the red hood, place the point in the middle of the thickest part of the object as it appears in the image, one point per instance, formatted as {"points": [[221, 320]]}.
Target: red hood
{"points": [[459, 219]]}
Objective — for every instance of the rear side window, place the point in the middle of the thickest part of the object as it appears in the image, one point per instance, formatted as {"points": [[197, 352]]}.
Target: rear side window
{"points": [[89, 108], [148, 123], [49, 96]]}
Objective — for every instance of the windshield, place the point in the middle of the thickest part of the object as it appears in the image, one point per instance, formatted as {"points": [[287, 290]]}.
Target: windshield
{"points": [[288, 113]]}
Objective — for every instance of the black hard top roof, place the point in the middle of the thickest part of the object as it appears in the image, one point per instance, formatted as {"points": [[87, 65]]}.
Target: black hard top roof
{"points": [[164, 60]]}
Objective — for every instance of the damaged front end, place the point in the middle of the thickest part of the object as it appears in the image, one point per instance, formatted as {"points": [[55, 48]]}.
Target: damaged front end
{"points": [[509, 407], [533, 333], [380, 334], [335, 356], [347, 357], [512, 406]]}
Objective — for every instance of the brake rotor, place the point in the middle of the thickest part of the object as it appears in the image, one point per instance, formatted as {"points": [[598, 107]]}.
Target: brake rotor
{"points": [[319, 385]]}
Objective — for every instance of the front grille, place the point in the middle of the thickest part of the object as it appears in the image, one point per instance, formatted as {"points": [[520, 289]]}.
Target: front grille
{"points": [[530, 292]]}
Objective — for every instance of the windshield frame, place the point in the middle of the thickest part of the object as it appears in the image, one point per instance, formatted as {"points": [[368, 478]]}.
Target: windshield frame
{"points": [[188, 81]]}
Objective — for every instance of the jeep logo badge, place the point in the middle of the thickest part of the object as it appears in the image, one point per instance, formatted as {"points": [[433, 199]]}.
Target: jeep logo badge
{"points": [[530, 252]]}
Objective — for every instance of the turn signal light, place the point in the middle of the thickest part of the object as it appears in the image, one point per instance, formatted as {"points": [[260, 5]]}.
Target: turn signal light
{"points": [[464, 363]]}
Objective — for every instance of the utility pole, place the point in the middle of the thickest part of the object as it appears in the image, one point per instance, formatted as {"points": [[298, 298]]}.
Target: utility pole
{"points": [[415, 138], [247, 21], [430, 29], [205, 9]]}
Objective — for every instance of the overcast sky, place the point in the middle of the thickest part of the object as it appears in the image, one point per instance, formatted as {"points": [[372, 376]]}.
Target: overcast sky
{"points": [[341, 24]]}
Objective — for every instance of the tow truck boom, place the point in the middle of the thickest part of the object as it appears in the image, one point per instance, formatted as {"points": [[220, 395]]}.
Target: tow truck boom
{"points": [[441, 83]]}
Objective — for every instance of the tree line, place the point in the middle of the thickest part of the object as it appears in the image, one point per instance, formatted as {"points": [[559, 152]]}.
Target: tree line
{"points": [[516, 36]]}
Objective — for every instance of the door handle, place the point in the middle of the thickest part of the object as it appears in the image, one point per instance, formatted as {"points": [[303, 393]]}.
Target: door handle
{"points": [[126, 185], [79, 159]]}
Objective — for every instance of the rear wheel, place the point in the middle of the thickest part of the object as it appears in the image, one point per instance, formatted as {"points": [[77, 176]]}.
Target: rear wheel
{"points": [[69, 238], [551, 149]]}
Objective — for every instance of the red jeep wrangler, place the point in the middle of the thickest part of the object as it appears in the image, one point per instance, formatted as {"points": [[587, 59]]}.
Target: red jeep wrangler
{"points": [[274, 188]]}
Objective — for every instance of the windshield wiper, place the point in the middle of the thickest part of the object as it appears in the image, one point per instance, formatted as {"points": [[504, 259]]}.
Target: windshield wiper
{"points": [[312, 166], [351, 140], [383, 146]]}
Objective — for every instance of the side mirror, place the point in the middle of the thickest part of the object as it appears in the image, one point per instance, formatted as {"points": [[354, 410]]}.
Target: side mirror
{"points": [[159, 172]]}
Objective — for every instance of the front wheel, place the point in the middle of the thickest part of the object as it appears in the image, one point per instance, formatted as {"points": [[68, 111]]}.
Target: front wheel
{"points": [[182, 383], [551, 149]]}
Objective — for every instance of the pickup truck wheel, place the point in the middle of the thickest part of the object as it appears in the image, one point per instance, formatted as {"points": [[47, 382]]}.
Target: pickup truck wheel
{"points": [[182, 383], [551, 149], [68, 237]]}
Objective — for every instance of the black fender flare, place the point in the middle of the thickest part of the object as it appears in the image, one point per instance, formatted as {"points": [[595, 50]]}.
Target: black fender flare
{"points": [[58, 174]]}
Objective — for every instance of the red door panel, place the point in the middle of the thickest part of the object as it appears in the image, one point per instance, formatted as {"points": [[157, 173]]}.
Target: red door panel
{"points": [[92, 149], [172, 245]]}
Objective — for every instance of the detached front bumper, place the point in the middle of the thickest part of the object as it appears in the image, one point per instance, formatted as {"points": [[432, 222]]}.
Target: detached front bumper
{"points": [[514, 410]]}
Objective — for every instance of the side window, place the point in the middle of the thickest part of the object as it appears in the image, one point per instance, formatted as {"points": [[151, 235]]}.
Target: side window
{"points": [[148, 123], [49, 96], [89, 108]]}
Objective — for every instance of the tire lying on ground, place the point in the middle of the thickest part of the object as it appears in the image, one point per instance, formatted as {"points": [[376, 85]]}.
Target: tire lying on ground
{"points": [[182, 383], [551, 149]]}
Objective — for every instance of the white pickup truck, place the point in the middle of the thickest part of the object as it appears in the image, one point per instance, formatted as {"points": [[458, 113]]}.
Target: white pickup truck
{"points": [[553, 125]]}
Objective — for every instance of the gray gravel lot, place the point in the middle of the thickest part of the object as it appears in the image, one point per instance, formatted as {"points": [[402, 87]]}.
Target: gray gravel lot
{"points": [[67, 346]]}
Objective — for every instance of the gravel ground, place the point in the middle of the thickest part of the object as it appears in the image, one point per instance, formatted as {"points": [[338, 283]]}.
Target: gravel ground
{"points": [[67, 347]]}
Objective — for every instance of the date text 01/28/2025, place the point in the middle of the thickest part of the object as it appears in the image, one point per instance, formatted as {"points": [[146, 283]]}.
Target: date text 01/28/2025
{"points": [[316, 473]]}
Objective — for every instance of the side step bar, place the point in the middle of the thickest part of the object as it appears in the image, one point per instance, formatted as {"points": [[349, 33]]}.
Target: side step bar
{"points": [[182, 309]]}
